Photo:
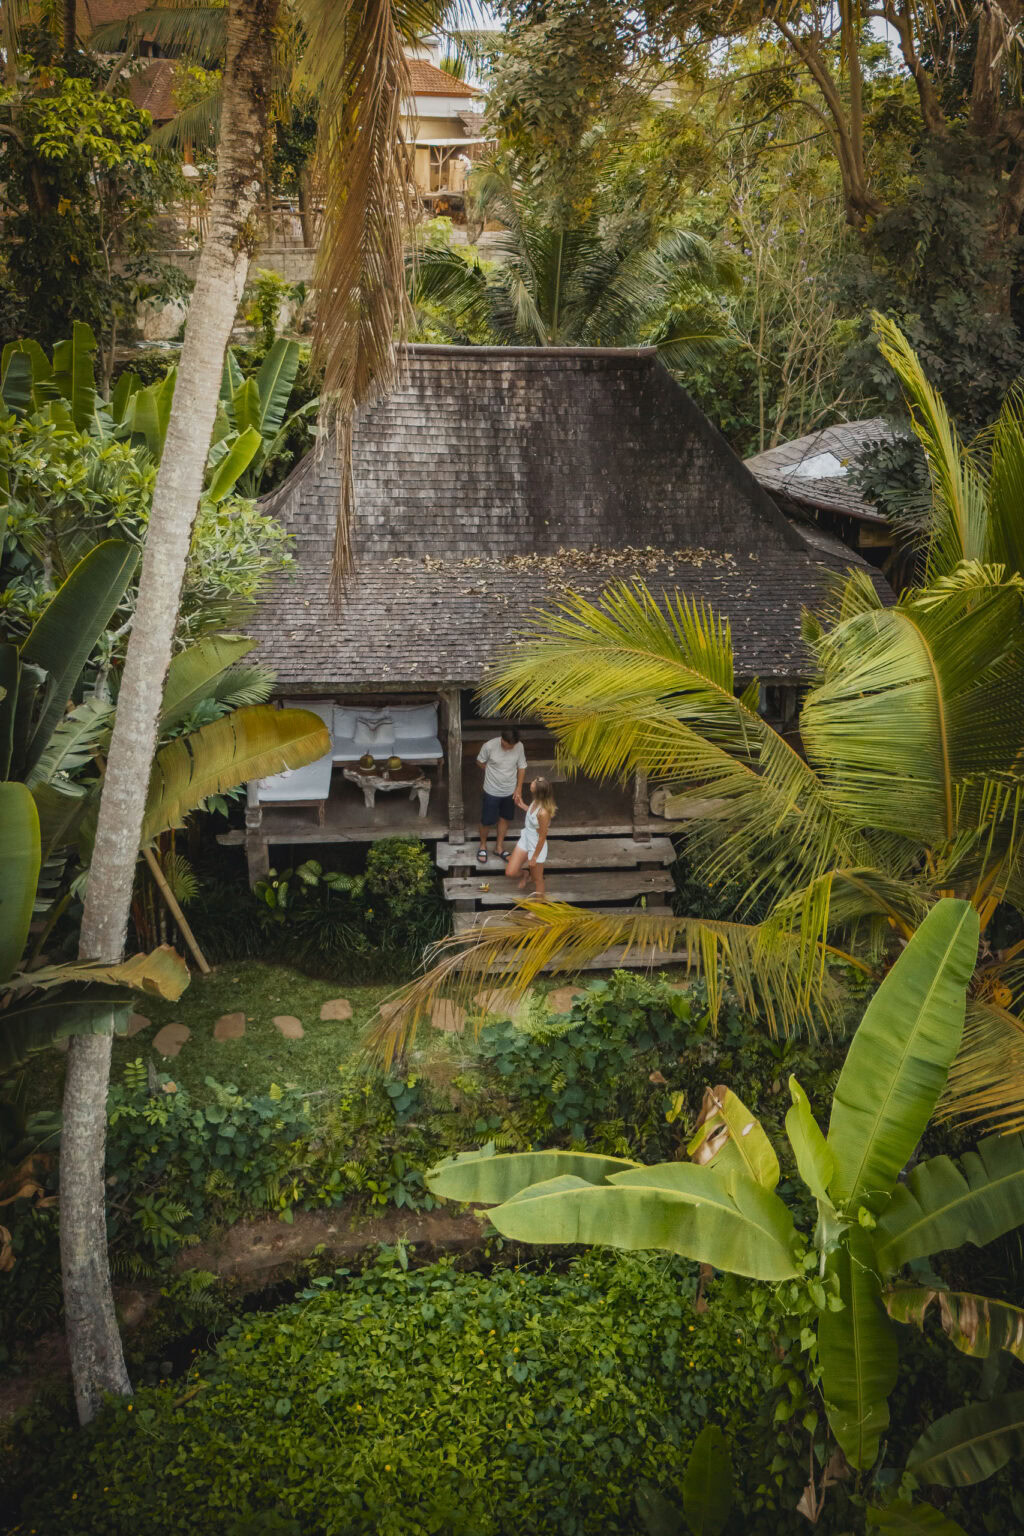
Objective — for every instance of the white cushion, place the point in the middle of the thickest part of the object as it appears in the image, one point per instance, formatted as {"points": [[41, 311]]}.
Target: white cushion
{"points": [[419, 749], [322, 707], [374, 733], [414, 720], [346, 751], [313, 782], [344, 723]]}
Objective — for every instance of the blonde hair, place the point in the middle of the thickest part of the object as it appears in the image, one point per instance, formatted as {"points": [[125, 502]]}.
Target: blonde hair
{"points": [[544, 796]]}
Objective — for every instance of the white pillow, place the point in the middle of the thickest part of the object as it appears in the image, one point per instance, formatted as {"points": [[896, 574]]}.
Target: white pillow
{"points": [[374, 733], [344, 723], [416, 720]]}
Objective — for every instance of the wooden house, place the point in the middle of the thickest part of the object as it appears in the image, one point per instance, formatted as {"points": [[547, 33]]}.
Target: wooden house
{"points": [[487, 485]]}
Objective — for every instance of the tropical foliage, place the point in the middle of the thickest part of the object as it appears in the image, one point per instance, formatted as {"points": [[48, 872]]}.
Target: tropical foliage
{"points": [[907, 785], [593, 282], [723, 1211]]}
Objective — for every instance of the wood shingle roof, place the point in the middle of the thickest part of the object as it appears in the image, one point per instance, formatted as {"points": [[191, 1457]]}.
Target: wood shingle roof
{"points": [[493, 480]]}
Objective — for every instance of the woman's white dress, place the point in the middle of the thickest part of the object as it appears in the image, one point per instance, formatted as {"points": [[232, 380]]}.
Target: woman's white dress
{"points": [[529, 837]]}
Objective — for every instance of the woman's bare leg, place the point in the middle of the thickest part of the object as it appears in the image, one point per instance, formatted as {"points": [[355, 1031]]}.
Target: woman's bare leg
{"points": [[516, 860], [538, 880]]}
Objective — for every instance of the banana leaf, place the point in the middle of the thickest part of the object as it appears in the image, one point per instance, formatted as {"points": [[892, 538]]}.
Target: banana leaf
{"points": [[64, 635], [274, 384], [10, 669], [19, 872], [245, 404], [232, 462], [248, 744], [16, 385], [148, 413], [38, 1022], [976, 1325], [942, 1206], [814, 1157], [730, 1137], [486, 1178], [913, 1520], [857, 1351], [707, 1483], [971, 1443], [74, 375], [900, 1057], [194, 670], [161, 973]]}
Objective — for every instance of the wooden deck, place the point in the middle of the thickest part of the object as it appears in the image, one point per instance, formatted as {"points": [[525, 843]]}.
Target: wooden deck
{"points": [[635, 958]]}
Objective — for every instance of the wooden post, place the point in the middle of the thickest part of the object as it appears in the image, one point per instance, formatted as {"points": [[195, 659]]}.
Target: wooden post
{"points": [[641, 808], [257, 853], [175, 910], [456, 810]]}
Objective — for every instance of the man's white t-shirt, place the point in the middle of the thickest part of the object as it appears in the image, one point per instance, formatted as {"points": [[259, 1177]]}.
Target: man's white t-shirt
{"points": [[501, 766]]}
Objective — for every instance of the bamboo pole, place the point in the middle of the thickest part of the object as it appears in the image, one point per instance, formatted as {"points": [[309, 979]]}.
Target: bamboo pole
{"points": [[176, 912]]}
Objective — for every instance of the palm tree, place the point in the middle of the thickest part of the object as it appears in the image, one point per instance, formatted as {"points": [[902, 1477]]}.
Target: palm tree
{"points": [[908, 784], [603, 282], [355, 62]]}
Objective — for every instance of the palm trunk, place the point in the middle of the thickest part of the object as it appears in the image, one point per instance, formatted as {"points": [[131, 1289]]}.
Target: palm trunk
{"points": [[94, 1345], [70, 27]]}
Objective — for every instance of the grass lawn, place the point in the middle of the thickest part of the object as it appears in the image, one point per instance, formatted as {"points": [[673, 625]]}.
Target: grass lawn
{"points": [[262, 1055]]}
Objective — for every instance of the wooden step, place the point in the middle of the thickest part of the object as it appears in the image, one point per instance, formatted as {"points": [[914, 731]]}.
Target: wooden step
{"points": [[579, 889], [578, 853], [616, 958]]}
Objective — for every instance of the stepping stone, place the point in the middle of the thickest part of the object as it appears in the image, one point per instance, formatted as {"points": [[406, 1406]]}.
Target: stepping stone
{"points": [[498, 1000], [289, 1026], [230, 1026], [137, 1023], [388, 1010], [169, 1040], [562, 999], [448, 1016], [336, 1008]]}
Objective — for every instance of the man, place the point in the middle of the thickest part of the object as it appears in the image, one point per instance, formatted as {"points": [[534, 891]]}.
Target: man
{"points": [[504, 763]]}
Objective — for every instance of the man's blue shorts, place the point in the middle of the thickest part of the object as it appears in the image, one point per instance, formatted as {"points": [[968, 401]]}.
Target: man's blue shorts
{"points": [[497, 808]]}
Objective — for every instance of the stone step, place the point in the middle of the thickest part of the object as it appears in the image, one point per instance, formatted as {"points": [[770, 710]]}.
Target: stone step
{"points": [[588, 889], [577, 853]]}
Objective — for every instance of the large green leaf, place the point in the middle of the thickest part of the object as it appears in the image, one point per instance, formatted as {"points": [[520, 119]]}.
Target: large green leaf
{"points": [[245, 404], [976, 1325], [814, 1157], [707, 1484], [16, 384], [61, 809], [64, 635], [913, 1520], [19, 872], [486, 1178], [730, 1137], [247, 744], [858, 1353], [971, 1443], [942, 1206], [148, 413], [233, 462], [900, 1057], [274, 384], [38, 1022], [720, 1219], [74, 376], [193, 672]]}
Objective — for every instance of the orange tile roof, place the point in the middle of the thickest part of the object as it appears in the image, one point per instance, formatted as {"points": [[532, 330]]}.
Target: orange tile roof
{"points": [[427, 80]]}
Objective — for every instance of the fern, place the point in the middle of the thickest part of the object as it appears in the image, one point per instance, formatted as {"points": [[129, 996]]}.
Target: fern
{"points": [[180, 877]]}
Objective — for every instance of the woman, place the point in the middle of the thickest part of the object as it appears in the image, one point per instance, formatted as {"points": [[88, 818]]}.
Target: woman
{"points": [[531, 851]]}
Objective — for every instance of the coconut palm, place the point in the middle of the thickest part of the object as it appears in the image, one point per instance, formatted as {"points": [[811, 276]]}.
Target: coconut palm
{"points": [[355, 63], [908, 785], [599, 283]]}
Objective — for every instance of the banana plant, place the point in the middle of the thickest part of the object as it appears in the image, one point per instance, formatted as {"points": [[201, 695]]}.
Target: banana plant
{"points": [[252, 411], [724, 1210], [63, 391], [46, 807]]}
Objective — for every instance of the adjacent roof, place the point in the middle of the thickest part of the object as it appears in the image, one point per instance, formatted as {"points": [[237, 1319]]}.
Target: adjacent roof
{"points": [[494, 480], [425, 79], [815, 470], [153, 89]]}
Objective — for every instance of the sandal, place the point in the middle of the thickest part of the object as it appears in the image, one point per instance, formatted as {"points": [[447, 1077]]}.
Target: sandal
{"points": [[481, 857], [504, 855]]}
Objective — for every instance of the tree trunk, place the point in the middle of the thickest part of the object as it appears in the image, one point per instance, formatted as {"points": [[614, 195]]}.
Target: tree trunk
{"points": [[69, 30], [306, 209], [94, 1345]]}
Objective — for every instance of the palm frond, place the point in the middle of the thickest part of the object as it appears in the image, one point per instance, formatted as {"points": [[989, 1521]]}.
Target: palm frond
{"points": [[986, 1083], [959, 528], [760, 966], [1006, 486], [355, 62], [197, 31], [196, 126]]}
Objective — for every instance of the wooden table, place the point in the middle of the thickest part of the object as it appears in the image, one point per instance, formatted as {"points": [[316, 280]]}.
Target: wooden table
{"points": [[370, 780]]}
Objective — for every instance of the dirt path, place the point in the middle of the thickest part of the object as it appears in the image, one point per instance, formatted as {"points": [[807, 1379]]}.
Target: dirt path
{"points": [[252, 1255]]}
